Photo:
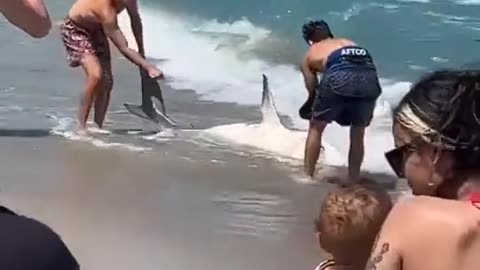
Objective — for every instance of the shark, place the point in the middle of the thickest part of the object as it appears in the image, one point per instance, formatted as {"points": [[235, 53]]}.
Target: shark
{"points": [[270, 134], [148, 110]]}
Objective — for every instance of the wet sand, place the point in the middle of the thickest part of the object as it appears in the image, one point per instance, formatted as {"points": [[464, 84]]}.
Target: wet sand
{"points": [[118, 210]]}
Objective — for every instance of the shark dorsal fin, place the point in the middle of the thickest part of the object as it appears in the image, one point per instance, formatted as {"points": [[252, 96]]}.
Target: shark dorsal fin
{"points": [[269, 111]]}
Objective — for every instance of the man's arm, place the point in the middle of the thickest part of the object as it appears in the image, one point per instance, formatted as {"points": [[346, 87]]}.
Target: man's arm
{"points": [[386, 249], [309, 75], [110, 25], [29, 15], [136, 24]]}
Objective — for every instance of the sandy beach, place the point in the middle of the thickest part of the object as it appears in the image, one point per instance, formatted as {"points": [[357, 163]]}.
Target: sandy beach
{"points": [[118, 210]]}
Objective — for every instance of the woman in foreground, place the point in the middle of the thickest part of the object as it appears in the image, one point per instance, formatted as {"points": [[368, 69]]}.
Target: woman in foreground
{"points": [[437, 138]]}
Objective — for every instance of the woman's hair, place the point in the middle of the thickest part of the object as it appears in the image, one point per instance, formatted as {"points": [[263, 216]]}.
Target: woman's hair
{"points": [[443, 108]]}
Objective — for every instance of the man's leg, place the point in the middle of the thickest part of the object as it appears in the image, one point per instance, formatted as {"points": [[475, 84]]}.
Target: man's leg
{"points": [[360, 114], [356, 152], [93, 72], [102, 99], [325, 109], [313, 145]]}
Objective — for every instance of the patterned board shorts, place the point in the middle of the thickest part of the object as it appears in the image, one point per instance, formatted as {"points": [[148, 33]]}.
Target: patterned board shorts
{"points": [[356, 108], [79, 41]]}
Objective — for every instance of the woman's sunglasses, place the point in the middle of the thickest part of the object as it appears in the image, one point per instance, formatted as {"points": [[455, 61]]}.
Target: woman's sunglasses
{"points": [[396, 158]]}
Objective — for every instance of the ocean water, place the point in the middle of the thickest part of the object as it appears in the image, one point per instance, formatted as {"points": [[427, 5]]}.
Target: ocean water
{"points": [[220, 49], [403, 35]]}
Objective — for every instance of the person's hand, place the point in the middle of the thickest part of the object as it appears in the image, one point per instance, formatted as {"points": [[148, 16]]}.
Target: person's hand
{"points": [[155, 73]]}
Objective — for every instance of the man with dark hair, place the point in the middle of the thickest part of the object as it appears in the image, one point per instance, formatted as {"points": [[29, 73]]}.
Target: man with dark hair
{"points": [[346, 94], [29, 15], [27, 244]]}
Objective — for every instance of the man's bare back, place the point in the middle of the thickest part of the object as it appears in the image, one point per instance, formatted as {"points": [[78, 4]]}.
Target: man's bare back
{"points": [[317, 55], [89, 12], [445, 236], [94, 14]]}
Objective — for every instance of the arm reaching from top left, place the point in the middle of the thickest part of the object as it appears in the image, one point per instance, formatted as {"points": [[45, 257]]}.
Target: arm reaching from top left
{"points": [[29, 15]]}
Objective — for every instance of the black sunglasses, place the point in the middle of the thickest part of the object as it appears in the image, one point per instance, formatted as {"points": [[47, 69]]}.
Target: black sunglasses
{"points": [[396, 158]]}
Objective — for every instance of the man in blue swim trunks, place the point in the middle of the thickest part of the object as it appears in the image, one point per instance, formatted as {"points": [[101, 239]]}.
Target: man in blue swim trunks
{"points": [[346, 94]]}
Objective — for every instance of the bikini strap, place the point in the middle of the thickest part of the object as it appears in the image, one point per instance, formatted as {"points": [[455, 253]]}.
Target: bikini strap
{"points": [[475, 199], [327, 263]]}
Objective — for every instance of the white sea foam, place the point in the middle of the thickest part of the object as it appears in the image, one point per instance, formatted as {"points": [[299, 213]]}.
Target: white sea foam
{"points": [[65, 127]]}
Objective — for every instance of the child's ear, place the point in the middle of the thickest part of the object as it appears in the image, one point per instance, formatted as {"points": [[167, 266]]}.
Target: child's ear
{"points": [[322, 242], [319, 237]]}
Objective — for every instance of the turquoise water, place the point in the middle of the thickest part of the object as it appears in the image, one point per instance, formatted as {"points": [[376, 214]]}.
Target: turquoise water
{"points": [[404, 36]]}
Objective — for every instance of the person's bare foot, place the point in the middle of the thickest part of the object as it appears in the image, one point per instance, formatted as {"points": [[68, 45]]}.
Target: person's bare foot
{"points": [[304, 179], [338, 180], [81, 132], [343, 180], [99, 130]]}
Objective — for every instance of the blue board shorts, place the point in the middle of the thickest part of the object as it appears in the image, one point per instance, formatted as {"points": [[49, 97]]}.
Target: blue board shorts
{"points": [[347, 97]]}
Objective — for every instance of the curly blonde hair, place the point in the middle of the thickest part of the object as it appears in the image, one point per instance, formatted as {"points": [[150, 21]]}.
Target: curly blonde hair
{"points": [[350, 215]]}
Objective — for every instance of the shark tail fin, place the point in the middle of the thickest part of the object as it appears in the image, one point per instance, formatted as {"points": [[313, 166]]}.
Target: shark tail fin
{"points": [[148, 109]]}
